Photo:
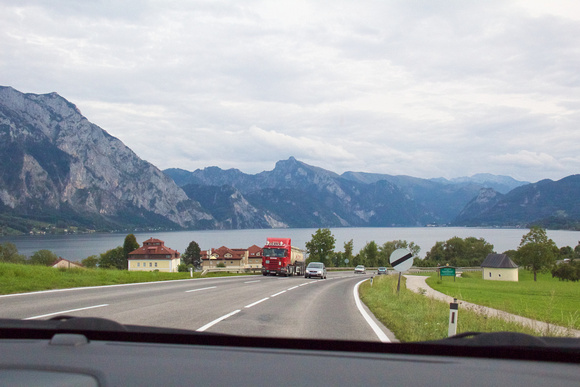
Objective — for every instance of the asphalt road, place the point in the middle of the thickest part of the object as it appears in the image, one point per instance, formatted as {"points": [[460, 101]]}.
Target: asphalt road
{"points": [[248, 305]]}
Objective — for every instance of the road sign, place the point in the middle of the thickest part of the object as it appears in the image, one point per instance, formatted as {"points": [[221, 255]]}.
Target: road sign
{"points": [[447, 271], [401, 260]]}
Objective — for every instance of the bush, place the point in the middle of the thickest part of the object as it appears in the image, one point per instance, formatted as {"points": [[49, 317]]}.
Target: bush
{"points": [[569, 271]]}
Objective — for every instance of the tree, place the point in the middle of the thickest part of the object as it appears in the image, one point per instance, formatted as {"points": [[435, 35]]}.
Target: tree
{"points": [[568, 271], [192, 255], [321, 246], [371, 253], [43, 257], [113, 259], [130, 245], [537, 252], [9, 253], [387, 249], [456, 251], [348, 247], [90, 262]]}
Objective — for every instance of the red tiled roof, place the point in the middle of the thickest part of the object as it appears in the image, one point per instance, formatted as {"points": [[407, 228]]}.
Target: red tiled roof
{"points": [[236, 253], [154, 247]]}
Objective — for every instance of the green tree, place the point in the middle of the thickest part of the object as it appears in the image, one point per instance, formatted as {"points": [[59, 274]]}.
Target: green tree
{"points": [[9, 253], [568, 271], [130, 245], [537, 252], [114, 259], [321, 246], [43, 257], [348, 248], [192, 255], [90, 262], [387, 249], [371, 253], [456, 251]]}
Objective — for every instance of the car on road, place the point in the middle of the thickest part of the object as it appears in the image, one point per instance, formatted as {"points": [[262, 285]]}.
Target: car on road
{"points": [[382, 270], [315, 269], [360, 269]]}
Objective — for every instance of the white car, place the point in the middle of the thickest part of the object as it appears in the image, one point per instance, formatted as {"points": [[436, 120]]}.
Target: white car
{"points": [[360, 269], [315, 269]]}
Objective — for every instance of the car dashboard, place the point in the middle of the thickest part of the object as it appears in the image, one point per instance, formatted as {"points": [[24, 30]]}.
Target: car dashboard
{"points": [[91, 352]]}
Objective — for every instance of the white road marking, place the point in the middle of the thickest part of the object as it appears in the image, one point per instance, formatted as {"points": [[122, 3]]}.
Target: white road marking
{"points": [[66, 311], [118, 285], [249, 282], [197, 290], [257, 302], [277, 294], [209, 325], [378, 331], [293, 287], [305, 283]]}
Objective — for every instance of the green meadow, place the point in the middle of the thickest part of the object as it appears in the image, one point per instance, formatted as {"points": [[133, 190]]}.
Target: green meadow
{"points": [[415, 317], [18, 278], [548, 299]]}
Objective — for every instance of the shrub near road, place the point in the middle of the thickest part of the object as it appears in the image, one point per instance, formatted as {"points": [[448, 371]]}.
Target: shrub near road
{"points": [[546, 299], [414, 317]]}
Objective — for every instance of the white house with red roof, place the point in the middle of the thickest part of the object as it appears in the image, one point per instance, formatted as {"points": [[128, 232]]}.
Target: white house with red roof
{"points": [[154, 255], [233, 258]]}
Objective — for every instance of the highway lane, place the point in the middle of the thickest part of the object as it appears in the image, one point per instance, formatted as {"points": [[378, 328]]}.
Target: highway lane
{"points": [[247, 305]]}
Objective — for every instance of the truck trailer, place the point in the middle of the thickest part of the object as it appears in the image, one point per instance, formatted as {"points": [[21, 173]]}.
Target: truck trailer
{"points": [[279, 257]]}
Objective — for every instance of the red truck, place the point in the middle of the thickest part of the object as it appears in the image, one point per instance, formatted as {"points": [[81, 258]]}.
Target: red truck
{"points": [[279, 257]]}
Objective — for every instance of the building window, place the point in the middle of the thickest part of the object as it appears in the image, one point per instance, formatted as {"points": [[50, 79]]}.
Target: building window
{"points": [[155, 264], [150, 264], [137, 264]]}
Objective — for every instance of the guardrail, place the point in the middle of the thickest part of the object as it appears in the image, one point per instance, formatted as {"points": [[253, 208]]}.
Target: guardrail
{"points": [[232, 270]]}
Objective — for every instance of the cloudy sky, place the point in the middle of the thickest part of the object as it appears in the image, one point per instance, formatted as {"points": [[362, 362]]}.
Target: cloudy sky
{"points": [[422, 88]]}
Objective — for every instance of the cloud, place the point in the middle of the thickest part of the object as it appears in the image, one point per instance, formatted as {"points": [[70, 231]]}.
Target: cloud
{"points": [[421, 88]]}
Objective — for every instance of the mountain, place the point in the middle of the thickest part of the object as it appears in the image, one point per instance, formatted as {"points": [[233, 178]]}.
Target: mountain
{"points": [[501, 184], [301, 195], [552, 204], [56, 165]]}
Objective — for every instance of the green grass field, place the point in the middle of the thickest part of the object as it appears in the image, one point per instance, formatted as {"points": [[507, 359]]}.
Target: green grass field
{"points": [[414, 317], [15, 278], [548, 299]]}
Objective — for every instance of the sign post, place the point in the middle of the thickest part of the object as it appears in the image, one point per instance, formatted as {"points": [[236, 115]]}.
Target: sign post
{"points": [[447, 271], [401, 260]]}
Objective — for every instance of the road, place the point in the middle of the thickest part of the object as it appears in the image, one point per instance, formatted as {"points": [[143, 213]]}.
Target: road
{"points": [[247, 305]]}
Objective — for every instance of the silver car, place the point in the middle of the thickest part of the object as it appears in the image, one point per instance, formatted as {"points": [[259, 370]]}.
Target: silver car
{"points": [[315, 269], [360, 269]]}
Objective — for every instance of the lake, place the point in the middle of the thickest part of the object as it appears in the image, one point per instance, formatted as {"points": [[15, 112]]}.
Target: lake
{"points": [[78, 247]]}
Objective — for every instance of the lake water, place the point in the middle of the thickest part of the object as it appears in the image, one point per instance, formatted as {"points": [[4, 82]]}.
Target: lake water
{"points": [[78, 247]]}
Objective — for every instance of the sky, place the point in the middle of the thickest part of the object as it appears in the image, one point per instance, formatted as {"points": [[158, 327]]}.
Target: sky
{"points": [[421, 88]]}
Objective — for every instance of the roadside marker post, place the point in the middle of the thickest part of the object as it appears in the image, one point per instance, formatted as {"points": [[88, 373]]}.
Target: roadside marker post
{"points": [[401, 260], [453, 316]]}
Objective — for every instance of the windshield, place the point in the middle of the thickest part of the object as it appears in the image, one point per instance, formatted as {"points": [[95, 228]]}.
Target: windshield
{"points": [[149, 152], [275, 253]]}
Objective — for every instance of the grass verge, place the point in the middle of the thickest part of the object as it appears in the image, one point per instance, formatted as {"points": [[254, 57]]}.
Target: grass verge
{"points": [[414, 317], [16, 278], [547, 299]]}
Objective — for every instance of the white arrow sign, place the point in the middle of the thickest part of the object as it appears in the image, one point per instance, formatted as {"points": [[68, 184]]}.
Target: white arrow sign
{"points": [[401, 260]]}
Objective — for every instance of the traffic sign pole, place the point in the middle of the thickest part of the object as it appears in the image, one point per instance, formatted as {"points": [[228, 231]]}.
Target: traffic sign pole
{"points": [[401, 260]]}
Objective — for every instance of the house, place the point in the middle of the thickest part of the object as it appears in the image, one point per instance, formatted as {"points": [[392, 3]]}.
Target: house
{"points": [[66, 264], [232, 258], [154, 255], [254, 257], [499, 267]]}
